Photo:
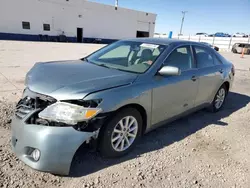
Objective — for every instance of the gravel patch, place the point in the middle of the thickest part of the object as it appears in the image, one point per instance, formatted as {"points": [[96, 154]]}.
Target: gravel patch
{"points": [[13, 173], [6, 111]]}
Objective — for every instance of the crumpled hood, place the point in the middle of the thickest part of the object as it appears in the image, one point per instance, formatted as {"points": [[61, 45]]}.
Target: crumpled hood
{"points": [[74, 79]]}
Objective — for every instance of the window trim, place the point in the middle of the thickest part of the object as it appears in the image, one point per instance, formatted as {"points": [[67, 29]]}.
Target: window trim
{"points": [[25, 22], [192, 56], [207, 49]]}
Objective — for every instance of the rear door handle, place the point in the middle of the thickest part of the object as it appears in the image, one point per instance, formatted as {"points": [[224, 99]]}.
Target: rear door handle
{"points": [[194, 78]]}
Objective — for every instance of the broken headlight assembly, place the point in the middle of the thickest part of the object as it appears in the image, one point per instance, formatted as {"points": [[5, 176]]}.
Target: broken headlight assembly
{"points": [[68, 113]]}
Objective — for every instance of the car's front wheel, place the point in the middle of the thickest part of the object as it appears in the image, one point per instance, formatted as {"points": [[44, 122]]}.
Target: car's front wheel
{"points": [[235, 51], [120, 134]]}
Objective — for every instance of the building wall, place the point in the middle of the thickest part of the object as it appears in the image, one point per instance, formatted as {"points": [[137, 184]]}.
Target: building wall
{"points": [[97, 20]]}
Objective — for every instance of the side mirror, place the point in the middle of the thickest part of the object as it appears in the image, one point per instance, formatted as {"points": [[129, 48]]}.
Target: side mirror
{"points": [[169, 71]]}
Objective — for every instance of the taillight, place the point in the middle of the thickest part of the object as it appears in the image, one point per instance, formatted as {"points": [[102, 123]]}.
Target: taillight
{"points": [[233, 70]]}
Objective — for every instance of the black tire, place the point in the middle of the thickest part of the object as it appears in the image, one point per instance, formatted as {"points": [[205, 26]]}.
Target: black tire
{"points": [[214, 108], [235, 51], [105, 144], [248, 52]]}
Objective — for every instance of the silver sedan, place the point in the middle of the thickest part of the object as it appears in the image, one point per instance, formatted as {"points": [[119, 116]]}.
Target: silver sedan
{"points": [[114, 96]]}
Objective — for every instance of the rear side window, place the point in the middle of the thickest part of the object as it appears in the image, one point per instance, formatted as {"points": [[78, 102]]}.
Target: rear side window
{"points": [[217, 61], [181, 57], [221, 58], [203, 57]]}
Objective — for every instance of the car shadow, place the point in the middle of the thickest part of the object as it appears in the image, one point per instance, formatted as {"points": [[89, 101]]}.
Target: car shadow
{"points": [[86, 162]]}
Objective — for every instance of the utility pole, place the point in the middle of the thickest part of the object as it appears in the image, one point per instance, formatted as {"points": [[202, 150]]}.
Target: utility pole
{"points": [[116, 4], [182, 21]]}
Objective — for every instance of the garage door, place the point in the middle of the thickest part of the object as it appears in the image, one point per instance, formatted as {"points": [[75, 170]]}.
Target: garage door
{"points": [[142, 26]]}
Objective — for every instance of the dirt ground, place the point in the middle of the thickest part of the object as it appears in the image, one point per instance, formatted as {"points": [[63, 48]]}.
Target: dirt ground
{"points": [[200, 150]]}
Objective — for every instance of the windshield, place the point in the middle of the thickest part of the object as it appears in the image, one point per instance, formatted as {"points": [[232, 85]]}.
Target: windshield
{"points": [[128, 56]]}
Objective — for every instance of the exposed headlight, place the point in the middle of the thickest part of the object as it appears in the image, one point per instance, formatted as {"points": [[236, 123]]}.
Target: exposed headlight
{"points": [[68, 113]]}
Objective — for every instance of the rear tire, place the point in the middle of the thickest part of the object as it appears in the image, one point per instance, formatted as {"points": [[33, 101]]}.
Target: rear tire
{"points": [[121, 133], [219, 99], [248, 52]]}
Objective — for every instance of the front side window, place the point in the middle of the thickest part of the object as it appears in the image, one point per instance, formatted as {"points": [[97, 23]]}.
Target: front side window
{"points": [[203, 57], [242, 45], [130, 56], [181, 57]]}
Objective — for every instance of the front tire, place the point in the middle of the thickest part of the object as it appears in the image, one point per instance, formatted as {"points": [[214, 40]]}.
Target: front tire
{"points": [[219, 99], [121, 133]]}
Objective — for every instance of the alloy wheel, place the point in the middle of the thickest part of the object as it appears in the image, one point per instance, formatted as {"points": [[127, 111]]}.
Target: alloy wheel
{"points": [[124, 133], [220, 97]]}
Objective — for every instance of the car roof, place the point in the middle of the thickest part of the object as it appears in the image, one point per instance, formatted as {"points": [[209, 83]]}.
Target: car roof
{"points": [[161, 41]]}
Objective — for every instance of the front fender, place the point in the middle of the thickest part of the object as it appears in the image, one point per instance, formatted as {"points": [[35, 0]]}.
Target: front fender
{"points": [[114, 99]]}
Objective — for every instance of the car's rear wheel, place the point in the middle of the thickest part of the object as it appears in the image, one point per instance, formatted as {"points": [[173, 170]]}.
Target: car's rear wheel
{"points": [[235, 51], [219, 99], [121, 133], [248, 52]]}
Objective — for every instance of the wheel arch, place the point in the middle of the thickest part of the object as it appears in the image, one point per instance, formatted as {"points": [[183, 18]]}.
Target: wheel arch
{"points": [[136, 106], [227, 84], [141, 110]]}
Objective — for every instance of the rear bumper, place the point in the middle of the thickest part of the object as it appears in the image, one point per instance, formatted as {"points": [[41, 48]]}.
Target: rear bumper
{"points": [[57, 145]]}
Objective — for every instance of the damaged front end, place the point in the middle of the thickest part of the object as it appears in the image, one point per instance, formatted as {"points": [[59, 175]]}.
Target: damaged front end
{"points": [[36, 103], [48, 145]]}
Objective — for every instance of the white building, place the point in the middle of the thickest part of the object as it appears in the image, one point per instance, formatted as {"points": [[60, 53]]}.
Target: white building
{"points": [[78, 20]]}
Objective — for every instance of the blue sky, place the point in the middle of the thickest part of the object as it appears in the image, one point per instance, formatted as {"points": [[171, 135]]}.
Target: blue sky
{"points": [[208, 16]]}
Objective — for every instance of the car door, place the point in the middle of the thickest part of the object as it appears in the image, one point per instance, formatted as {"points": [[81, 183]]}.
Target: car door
{"points": [[173, 95], [209, 72]]}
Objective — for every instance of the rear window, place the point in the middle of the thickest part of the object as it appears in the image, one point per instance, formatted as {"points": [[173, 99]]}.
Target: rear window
{"points": [[223, 59], [203, 57]]}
